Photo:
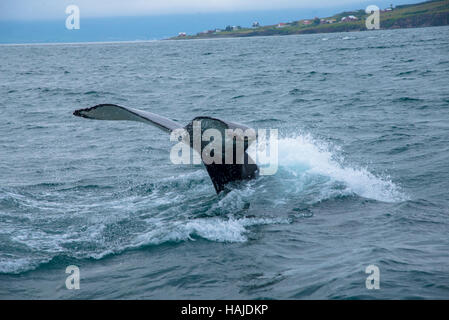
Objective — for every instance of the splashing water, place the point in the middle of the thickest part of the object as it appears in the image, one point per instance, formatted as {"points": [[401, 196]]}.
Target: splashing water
{"points": [[303, 156], [184, 206]]}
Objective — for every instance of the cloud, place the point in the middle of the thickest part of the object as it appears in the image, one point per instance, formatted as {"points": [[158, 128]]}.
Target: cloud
{"points": [[55, 9]]}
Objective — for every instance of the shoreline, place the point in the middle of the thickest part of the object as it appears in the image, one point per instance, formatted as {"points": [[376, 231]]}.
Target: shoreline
{"points": [[425, 14], [196, 39]]}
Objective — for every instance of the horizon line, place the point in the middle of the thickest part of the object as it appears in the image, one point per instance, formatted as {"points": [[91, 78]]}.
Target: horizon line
{"points": [[201, 39]]}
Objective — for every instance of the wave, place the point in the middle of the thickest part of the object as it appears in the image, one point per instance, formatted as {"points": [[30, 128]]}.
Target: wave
{"points": [[407, 99], [213, 229], [309, 159], [94, 244], [85, 221]]}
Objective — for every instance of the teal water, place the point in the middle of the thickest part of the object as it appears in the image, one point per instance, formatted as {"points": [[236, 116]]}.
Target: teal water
{"points": [[363, 177]]}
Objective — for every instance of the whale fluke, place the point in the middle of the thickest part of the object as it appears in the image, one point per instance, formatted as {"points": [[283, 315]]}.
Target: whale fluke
{"points": [[220, 173], [115, 112]]}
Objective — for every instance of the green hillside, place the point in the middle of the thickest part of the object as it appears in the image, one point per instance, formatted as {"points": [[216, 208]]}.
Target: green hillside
{"points": [[426, 14]]}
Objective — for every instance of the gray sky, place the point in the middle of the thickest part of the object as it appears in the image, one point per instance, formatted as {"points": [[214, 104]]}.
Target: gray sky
{"points": [[54, 9]]}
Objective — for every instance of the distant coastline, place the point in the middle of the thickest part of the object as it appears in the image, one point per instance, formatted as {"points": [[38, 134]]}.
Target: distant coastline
{"points": [[425, 14]]}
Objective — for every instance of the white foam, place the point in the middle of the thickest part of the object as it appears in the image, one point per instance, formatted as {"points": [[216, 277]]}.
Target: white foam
{"points": [[213, 229], [217, 229], [309, 169], [14, 264], [307, 155]]}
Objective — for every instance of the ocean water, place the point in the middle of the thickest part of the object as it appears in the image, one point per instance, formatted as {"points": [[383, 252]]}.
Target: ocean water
{"points": [[363, 120]]}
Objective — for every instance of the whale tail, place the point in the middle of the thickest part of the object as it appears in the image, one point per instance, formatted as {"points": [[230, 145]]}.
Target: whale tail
{"points": [[242, 167], [115, 112]]}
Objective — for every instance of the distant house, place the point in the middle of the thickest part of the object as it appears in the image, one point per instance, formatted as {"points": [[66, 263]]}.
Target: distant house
{"points": [[307, 22], [349, 18], [182, 34], [256, 24], [236, 28], [327, 21], [281, 25], [217, 30]]}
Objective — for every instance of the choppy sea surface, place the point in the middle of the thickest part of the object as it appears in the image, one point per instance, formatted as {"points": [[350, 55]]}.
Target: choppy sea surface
{"points": [[363, 121]]}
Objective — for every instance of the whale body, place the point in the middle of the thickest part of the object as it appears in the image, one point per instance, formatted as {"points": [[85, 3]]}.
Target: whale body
{"points": [[222, 173]]}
